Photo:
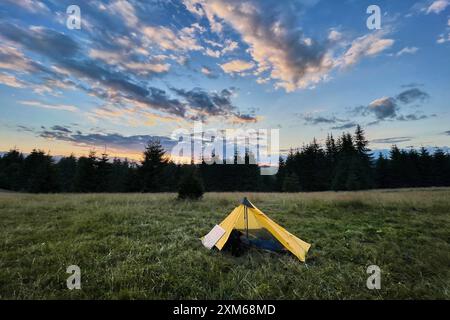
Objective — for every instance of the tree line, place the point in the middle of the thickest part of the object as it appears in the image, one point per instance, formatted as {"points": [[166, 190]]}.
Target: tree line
{"points": [[345, 163]]}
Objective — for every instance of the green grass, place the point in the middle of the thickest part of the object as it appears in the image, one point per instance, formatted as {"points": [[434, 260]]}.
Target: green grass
{"points": [[147, 246]]}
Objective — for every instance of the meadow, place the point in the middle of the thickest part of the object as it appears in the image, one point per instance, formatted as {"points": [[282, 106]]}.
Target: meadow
{"points": [[146, 246]]}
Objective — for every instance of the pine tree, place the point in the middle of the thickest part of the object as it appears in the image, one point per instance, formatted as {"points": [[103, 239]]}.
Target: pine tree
{"points": [[152, 167], [440, 168], [363, 163], [38, 173], [66, 168], [11, 170], [425, 167], [381, 172], [86, 175], [281, 174], [103, 173], [345, 160], [395, 168]]}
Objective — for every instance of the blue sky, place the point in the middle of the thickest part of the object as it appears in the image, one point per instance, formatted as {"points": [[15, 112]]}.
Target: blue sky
{"points": [[138, 69]]}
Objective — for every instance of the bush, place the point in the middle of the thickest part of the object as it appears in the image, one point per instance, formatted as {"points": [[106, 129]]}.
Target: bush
{"points": [[191, 187]]}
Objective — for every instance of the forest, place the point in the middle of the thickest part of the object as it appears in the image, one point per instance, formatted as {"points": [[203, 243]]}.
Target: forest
{"points": [[344, 163]]}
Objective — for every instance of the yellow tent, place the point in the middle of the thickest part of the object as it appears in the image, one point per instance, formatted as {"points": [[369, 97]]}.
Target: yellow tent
{"points": [[254, 224]]}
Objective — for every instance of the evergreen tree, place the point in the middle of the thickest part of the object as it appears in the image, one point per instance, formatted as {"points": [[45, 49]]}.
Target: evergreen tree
{"points": [[345, 166], [152, 167], [281, 174], [103, 168], [66, 168], [362, 169], [38, 173], [11, 171], [382, 172], [396, 174], [425, 168], [118, 175], [440, 168], [86, 174]]}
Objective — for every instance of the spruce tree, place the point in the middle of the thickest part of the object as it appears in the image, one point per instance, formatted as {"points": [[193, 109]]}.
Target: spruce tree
{"points": [[38, 173], [103, 173], [152, 167], [11, 170], [86, 174], [363, 163], [66, 168]]}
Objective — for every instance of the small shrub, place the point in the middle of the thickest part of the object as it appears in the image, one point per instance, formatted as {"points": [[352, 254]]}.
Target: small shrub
{"points": [[191, 187]]}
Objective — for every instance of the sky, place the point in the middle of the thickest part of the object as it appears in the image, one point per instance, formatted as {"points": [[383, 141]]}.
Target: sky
{"points": [[137, 70]]}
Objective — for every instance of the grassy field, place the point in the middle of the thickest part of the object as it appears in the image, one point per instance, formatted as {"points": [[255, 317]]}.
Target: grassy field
{"points": [[147, 246]]}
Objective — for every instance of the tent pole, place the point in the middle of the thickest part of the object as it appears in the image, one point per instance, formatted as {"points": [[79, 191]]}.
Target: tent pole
{"points": [[246, 218]]}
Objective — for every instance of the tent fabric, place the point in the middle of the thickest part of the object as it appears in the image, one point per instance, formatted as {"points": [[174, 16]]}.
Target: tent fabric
{"points": [[248, 218]]}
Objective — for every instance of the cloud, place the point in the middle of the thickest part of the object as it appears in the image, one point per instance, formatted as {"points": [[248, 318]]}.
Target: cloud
{"points": [[407, 50], [414, 117], [347, 125], [220, 49], [274, 40], [11, 81], [61, 129], [118, 141], [165, 38], [277, 45], [13, 59], [365, 46], [208, 72], [39, 104], [149, 67], [412, 95], [114, 84], [391, 140], [334, 35], [33, 6], [443, 38], [237, 66], [387, 107], [113, 141], [383, 108], [126, 11], [311, 119], [437, 6], [212, 103], [41, 40]]}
